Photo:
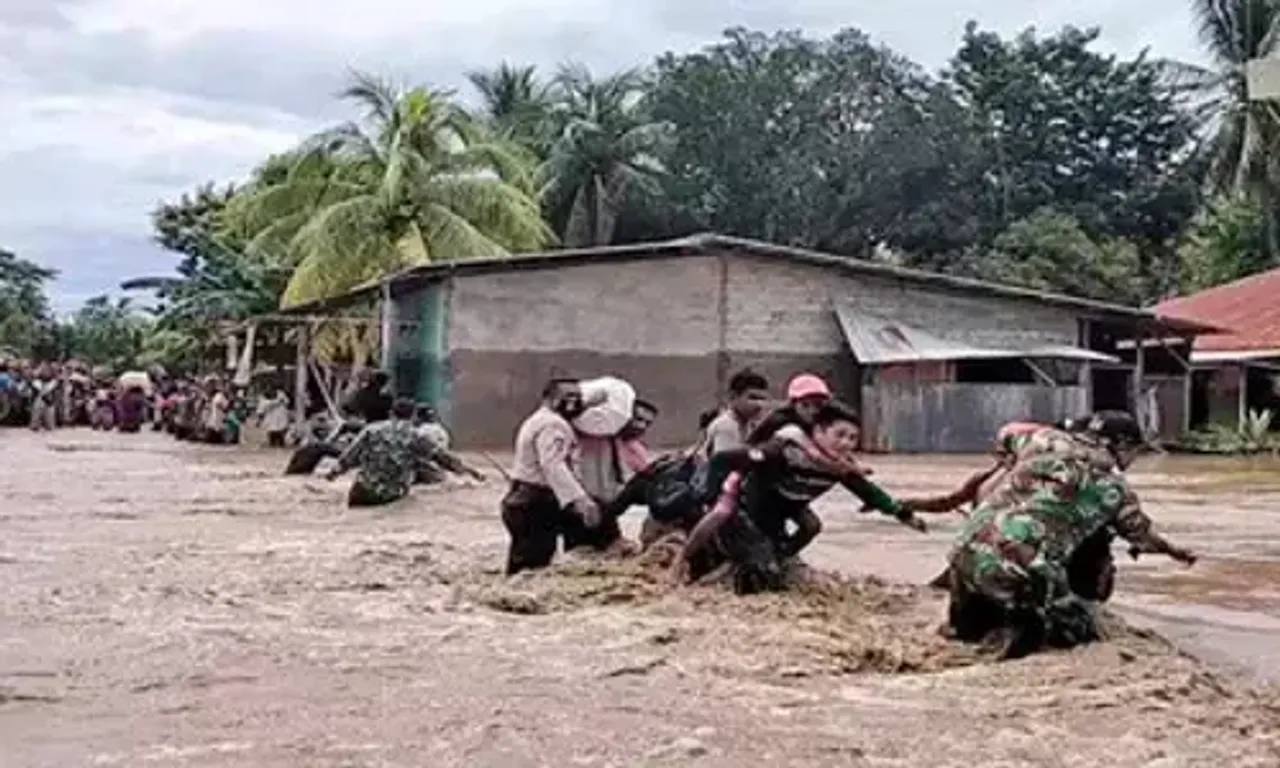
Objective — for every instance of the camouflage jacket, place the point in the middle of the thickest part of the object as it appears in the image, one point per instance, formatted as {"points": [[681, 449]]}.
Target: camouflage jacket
{"points": [[1062, 489], [388, 454]]}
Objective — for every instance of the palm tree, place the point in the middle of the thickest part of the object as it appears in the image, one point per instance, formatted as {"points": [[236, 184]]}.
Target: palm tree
{"points": [[1243, 134], [516, 104], [416, 181], [605, 149]]}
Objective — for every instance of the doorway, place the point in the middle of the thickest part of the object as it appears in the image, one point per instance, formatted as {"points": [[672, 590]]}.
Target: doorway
{"points": [[1110, 389]]}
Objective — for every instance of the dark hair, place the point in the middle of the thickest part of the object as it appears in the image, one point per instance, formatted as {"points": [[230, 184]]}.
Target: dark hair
{"points": [[1117, 427], [706, 417], [554, 384], [403, 408], [644, 405], [836, 411], [746, 380], [381, 377]]}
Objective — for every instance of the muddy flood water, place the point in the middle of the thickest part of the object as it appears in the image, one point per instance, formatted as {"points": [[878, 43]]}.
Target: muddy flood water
{"points": [[173, 605]]}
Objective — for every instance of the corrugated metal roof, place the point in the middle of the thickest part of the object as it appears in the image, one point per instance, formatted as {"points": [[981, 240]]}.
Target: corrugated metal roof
{"points": [[1249, 307], [879, 341], [713, 243]]}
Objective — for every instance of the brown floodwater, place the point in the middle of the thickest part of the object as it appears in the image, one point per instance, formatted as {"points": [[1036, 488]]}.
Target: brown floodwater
{"points": [[176, 605]]}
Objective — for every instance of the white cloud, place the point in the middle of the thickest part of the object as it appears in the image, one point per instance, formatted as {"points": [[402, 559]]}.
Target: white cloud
{"points": [[113, 105]]}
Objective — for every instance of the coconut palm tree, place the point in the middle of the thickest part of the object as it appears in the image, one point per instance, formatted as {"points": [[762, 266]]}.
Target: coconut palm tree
{"points": [[415, 181], [516, 104], [605, 149], [1242, 134]]}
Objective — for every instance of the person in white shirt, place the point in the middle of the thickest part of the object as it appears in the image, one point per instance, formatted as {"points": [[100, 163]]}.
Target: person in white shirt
{"points": [[273, 417]]}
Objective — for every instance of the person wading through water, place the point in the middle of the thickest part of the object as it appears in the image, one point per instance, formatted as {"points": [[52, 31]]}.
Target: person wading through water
{"points": [[771, 486], [273, 417], [388, 454], [616, 471], [1010, 565], [806, 395], [668, 484], [546, 500], [1092, 562], [731, 428]]}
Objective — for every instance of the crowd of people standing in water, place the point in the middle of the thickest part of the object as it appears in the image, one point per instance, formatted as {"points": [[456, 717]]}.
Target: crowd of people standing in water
{"points": [[1028, 569], [1030, 566], [46, 396]]}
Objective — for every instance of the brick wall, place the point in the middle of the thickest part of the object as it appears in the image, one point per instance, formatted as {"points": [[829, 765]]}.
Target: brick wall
{"points": [[663, 306], [786, 307], [656, 322]]}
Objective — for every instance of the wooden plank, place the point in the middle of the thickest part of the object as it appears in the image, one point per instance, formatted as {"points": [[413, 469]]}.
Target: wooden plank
{"points": [[914, 417]]}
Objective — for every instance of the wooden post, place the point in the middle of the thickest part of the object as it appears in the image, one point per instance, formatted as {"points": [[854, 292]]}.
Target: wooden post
{"points": [[1139, 372], [1188, 383], [1243, 396], [1086, 368], [301, 357], [233, 349], [388, 330]]}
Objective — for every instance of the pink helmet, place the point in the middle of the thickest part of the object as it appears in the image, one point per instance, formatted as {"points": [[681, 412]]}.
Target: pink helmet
{"points": [[807, 385]]}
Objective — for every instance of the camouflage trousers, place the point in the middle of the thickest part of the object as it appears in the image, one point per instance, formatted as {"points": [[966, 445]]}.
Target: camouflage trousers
{"points": [[1034, 607]]}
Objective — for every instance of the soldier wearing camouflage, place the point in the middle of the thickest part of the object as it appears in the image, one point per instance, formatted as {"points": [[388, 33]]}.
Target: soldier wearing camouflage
{"points": [[388, 454], [1012, 554]]}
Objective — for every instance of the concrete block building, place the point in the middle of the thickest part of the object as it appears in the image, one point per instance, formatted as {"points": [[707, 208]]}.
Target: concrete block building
{"points": [[935, 363]]}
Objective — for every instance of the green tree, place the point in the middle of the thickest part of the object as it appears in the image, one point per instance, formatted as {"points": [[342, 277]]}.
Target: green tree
{"points": [[837, 144], [25, 323], [1242, 133], [418, 181], [516, 104], [106, 332], [607, 149], [744, 112], [1051, 251], [1100, 138], [1227, 242], [189, 225]]}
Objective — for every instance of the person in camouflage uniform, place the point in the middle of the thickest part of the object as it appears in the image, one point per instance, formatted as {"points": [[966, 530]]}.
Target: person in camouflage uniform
{"points": [[388, 454], [1010, 565]]}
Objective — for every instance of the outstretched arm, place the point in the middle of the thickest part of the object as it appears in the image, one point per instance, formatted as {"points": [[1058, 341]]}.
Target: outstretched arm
{"points": [[1133, 525], [951, 502], [455, 464], [353, 455]]}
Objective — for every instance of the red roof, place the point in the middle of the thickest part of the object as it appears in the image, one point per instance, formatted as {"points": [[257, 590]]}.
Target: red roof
{"points": [[1249, 307]]}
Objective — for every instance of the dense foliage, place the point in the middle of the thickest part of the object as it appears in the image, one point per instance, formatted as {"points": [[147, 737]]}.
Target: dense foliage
{"points": [[1033, 159]]}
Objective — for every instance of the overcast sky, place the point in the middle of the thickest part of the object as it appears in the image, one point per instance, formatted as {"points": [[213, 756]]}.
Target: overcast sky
{"points": [[113, 105]]}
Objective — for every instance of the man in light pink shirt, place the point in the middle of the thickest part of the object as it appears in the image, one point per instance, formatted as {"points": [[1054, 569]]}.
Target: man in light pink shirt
{"points": [[607, 464]]}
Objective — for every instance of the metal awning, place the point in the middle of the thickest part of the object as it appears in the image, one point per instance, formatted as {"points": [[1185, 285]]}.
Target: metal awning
{"points": [[879, 341]]}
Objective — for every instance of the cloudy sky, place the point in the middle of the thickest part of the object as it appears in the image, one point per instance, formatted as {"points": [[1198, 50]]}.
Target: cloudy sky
{"points": [[113, 105]]}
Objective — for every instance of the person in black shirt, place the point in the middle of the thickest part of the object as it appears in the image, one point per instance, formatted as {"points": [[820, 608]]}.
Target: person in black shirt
{"points": [[770, 488], [372, 402]]}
